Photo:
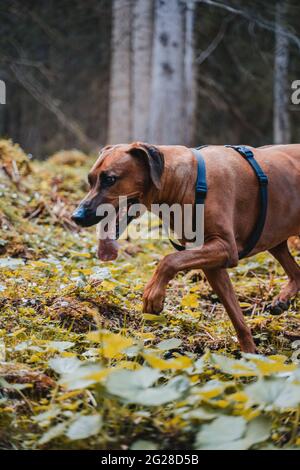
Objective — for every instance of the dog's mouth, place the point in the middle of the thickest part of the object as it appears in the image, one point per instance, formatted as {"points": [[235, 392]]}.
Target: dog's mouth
{"points": [[123, 218], [107, 242]]}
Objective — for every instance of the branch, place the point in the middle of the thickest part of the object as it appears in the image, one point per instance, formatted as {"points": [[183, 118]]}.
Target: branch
{"points": [[227, 103], [263, 23], [43, 97], [214, 44]]}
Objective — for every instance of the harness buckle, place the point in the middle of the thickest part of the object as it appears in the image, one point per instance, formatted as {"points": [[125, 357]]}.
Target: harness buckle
{"points": [[245, 151], [263, 180]]}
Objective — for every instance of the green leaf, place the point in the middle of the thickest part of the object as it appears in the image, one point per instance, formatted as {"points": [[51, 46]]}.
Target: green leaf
{"points": [[64, 365], [199, 414], [11, 263], [84, 426], [175, 389], [136, 387], [75, 374], [154, 318], [274, 393], [59, 345], [237, 368], [144, 445], [169, 344], [124, 383], [9, 386], [82, 377], [258, 430], [232, 433], [221, 432], [46, 416], [52, 433]]}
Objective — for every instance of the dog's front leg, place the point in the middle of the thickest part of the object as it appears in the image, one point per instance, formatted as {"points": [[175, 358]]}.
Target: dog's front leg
{"points": [[213, 257], [213, 254]]}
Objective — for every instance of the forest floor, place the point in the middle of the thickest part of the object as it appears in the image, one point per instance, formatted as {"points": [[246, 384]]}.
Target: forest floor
{"points": [[82, 367]]}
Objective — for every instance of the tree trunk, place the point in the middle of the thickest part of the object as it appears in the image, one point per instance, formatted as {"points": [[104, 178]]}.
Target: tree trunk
{"points": [[189, 75], [167, 93], [141, 77], [120, 121], [281, 123]]}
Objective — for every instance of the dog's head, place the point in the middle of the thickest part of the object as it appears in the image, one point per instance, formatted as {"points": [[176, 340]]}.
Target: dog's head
{"points": [[133, 171]]}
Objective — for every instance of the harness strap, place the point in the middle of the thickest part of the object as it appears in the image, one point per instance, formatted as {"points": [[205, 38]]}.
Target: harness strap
{"points": [[201, 192], [201, 187], [263, 189]]}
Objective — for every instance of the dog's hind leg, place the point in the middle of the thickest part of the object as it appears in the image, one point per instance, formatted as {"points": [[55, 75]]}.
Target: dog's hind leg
{"points": [[282, 254], [222, 286]]}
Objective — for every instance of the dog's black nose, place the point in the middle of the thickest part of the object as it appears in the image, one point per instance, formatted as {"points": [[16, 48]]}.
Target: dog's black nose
{"points": [[79, 215]]}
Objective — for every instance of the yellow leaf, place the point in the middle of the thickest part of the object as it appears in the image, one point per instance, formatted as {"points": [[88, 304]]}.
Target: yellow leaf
{"points": [[221, 403], [95, 336], [39, 264], [34, 358], [67, 395], [138, 286], [190, 300], [68, 354], [211, 393], [250, 414], [181, 362], [79, 255], [102, 374], [154, 318], [71, 406], [128, 365], [111, 344], [145, 336], [86, 271], [107, 285], [18, 332], [239, 396], [268, 366]]}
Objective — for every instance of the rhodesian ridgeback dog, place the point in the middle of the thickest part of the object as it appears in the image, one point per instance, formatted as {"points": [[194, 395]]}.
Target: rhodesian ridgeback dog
{"points": [[168, 174]]}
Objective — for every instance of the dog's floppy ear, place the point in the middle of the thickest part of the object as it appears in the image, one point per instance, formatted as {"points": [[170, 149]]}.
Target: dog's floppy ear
{"points": [[155, 160]]}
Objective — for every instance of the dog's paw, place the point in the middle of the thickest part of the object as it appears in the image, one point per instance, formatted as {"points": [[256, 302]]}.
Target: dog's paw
{"points": [[278, 307], [153, 298]]}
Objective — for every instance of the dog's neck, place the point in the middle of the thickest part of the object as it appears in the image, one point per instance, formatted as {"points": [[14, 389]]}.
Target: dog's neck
{"points": [[179, 176]]}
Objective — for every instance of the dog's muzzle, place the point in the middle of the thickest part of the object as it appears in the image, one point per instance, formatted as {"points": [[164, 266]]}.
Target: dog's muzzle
{"points": [[85, 218]]}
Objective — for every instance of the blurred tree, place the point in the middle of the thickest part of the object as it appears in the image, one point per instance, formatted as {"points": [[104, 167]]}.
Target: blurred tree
{"points": [[282, 131], [190, 93], [55, 61], [167, 91], [142, 32], [120, 102], [186, 71]]}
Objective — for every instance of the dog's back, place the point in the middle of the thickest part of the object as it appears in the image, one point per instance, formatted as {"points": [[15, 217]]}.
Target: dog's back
{"points": [[292, 150]]}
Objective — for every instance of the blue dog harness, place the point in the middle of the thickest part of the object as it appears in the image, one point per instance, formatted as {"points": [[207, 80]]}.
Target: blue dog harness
{"points": [[201, 192]]}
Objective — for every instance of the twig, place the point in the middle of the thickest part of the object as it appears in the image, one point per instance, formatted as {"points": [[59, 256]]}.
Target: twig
{"points": [[263, 23], [42, 96], [214, 44]]}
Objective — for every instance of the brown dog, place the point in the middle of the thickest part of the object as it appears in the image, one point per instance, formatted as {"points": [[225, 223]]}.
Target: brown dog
{"points": [[167, 174]]}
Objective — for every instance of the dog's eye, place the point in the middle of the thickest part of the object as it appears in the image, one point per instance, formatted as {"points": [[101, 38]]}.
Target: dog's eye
{"points": [[92, 179], [107, 180]]}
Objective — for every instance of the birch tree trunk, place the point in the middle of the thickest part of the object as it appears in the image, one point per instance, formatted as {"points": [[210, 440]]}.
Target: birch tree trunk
{"points": [[142, 32], [120, 120], [281, 122], [189, 75], [167, 90]]}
